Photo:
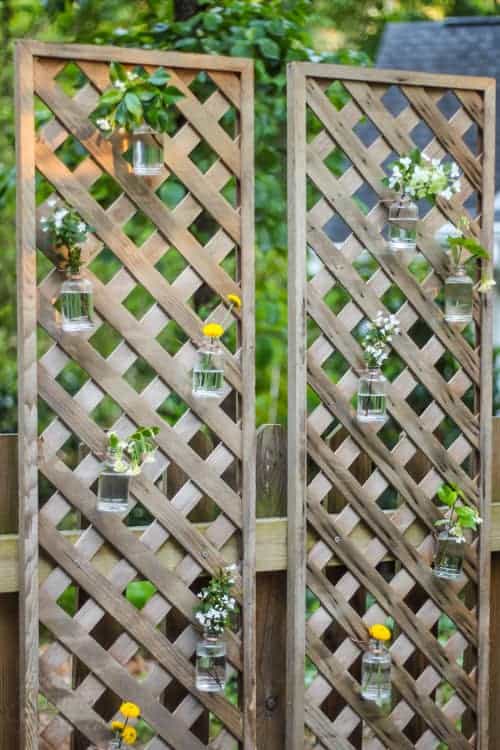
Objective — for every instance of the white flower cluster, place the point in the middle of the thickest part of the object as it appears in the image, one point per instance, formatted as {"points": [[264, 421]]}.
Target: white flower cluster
{"points": [[424, 177], [381, 333], [74, 227], [103, 124]]}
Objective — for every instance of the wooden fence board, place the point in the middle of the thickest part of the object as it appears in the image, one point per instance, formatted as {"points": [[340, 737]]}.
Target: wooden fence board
{"points": [[348, 112], [97, 555]]}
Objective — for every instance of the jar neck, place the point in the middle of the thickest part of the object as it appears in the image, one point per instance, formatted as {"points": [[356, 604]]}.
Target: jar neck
{"points": [[377, 646], [74, 275], [208, 635], [212, 342]]}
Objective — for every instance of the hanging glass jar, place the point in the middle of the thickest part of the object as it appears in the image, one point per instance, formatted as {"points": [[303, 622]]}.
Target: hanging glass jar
{"points": [[147, 153], [211, 663], [376, 668], [449, 557], [208, 370], [76, 304], [403, 217], [371, 396], [458, 296], [113, 486]]}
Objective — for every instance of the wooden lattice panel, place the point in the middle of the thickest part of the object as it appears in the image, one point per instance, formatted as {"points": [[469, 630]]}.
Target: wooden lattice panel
{"points": [[346, 126], [163, 253]]}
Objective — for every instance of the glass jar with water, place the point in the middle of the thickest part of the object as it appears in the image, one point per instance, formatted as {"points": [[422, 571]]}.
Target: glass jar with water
{"points": [[449, 558], [458, 296], [77, 307], [376, 673], [211, 663], [403, 218], [371, 396], [208, 370], [114, 481], [147, 152]]}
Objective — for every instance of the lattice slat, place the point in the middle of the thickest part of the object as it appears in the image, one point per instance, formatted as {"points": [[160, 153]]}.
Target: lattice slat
{"points": [[124, 373], [368, 491]]}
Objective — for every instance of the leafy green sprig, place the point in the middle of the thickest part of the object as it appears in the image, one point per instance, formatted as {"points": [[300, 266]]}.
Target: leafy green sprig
{"points": [[130, 454], [460, 243], [460, 516], [135, 98], [67, 229], [217, 605]]}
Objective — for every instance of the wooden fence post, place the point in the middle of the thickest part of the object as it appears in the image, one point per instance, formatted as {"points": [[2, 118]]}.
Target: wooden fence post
{"points": [[9, 620], [271, 595]]}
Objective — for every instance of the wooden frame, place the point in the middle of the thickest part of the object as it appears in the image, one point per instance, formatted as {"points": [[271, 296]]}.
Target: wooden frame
{"points": [[340, 497], [196, 475]]}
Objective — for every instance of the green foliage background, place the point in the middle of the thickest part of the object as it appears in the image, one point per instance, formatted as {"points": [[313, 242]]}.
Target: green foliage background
{"points": [[273, 32]]}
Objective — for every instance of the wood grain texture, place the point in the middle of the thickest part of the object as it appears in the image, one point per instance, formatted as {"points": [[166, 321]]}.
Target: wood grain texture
{"points": [[296, 407], [27, 388], [102, 555], [353, 131], [9, 612]]}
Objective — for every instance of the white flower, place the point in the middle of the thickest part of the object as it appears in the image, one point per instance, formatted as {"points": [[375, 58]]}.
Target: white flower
{"points": [[456, 186], [132, 76], [52, 202], [435, 162], [447, 194], [81, 226], [120, 85], [454, 171], [103, 123], [405, 161], [486, 285]]}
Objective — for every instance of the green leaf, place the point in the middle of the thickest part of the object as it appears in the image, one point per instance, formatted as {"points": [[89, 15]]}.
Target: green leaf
{"points": [[162, 121], [134, 106], [145, 93], [172, 94], [241, 49], [139, 593], [466, 517], [447, 495], [111, 96], [212, 21], [117, 72], [269, 48], [159, 77], [474, 248]]}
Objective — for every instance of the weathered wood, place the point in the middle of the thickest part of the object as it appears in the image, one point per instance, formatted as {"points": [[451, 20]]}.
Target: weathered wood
{"points": [[271, 595], [342, 291], [9, 617], [103, 555], [27, 386], [297, 454]]}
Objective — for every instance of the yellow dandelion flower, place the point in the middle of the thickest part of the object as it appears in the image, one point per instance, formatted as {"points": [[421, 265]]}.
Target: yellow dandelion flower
{"points": [[117, 726], [129, 735], [130, 710], [380, 633], [234, 300], [213, 330]]}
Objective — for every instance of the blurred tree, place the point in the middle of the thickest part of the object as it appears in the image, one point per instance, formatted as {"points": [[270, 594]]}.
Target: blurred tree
{"points": [[274, 33]]}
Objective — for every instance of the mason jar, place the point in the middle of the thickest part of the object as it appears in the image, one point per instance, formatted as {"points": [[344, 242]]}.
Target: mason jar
{"points": [[77, 307], [147, 153], [208, 370], [458, 296], [449, 557], [376, 673], [403, 217], [371, 396], [211, 664], [113, 484]]}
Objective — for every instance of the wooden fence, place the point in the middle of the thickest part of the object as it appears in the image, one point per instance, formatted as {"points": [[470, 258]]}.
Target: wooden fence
{"points": [[271, 545]]}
